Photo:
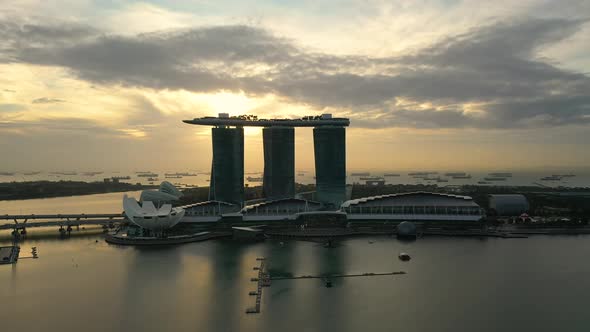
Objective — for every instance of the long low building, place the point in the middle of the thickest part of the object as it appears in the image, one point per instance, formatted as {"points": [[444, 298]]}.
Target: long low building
{"points": [[281, 209], [416, 206]]}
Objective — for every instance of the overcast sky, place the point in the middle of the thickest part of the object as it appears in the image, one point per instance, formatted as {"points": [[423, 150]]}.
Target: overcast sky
{"points": [[441, 84]]}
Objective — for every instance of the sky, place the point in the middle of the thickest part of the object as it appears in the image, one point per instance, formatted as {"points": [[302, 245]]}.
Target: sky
{"points": [[427, 84]]}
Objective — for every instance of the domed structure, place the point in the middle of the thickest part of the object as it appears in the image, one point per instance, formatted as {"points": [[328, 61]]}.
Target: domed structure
{"points": [[406, 229], [148, 217], [169, 188], [154, 211]]}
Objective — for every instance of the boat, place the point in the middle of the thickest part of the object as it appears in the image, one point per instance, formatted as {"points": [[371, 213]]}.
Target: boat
{"points": [[462, 176], [371, 178], [441, 180], [551, 178], [121, 178], [494, 179], [391, 174], [300, 174], [483, 182], [254, 179], [173, 176], [91, 173], [361, 174], [427, 178], [404, 257], [147, 175], [500, 175], [31, 173], [152, 179], [418, 174], [453, 174], [65, 173]]}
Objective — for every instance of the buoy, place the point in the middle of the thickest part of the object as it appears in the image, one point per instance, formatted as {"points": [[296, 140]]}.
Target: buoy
{"points": [[404, 257]]}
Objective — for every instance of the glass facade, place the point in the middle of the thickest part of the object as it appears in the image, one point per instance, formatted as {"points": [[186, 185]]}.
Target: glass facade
{"points": [[330, 165], [227, 168], [279, 162]]}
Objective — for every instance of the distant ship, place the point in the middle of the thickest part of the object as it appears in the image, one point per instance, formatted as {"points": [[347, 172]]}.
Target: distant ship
{"points": [[171, 176], [390, 174], [152, 179], [371, 178], [501, 175], [421, 174], [551, 178], [361, 174], [494, 179], [462, 176], [456, 174], [482, 182], [91, 173], [300, 174], [64, 173], [254, 179], [180, 174], [441, 180], [31, 173], [121, 178], [147, 175], [568, 175]]}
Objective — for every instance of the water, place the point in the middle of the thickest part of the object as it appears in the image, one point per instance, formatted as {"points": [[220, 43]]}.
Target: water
{"points": [[452, 284], [520, 178], [97, 203]]}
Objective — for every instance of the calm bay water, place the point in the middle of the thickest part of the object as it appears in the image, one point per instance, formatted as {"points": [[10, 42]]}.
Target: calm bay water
{"points": [[452, 284]]}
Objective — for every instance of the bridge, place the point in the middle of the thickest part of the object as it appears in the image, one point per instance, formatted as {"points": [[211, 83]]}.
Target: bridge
{"points": [[22, 221]]}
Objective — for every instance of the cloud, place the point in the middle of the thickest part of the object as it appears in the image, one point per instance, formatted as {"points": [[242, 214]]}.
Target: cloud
{"points": [[495, 67], [45, 100], [12, 107]]}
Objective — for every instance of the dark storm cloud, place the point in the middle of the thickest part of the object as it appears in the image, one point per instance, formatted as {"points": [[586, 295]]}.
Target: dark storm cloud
{"points": [[45, 100], [495, 67]]}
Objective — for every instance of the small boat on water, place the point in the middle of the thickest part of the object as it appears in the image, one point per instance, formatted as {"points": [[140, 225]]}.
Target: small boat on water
{"points": [[404, 257], [501, 175], [551, 178], [254, 179], [494, 178]]}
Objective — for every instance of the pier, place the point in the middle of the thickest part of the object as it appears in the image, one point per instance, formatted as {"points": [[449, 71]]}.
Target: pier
{"points": [[263, 280], [330, 276]]}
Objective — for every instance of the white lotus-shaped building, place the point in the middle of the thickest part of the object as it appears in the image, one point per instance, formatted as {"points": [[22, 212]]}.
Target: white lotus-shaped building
{"points": [[154, 211]]}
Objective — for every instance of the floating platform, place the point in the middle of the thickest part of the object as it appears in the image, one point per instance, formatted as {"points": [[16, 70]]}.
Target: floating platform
{"points": [[9, 255], [175, 239], [368, 274]]}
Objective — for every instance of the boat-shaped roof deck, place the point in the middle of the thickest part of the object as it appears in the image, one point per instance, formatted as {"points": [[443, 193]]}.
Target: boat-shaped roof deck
{"points": [[308, 121]]}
